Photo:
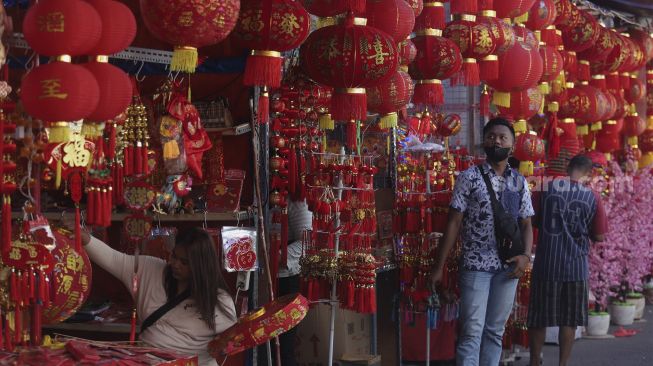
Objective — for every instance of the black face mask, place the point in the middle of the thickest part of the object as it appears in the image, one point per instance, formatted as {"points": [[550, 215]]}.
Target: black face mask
{"points": [[497, 154]]}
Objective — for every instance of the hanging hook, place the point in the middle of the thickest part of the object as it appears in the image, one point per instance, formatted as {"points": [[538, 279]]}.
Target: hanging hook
{"points": [[138, 73]]}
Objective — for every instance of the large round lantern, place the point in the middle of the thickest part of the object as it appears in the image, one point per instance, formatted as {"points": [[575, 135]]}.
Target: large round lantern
{"points": [[349, 57], [188, 25], [520, 68], [617, 58], [62, 27], [602, 48], [645, 40], [541, 15], [330, 8], [563, 11], [504, 36], [552, 63], [432, 17], [437, 58], [529, 147], [118, 27], [395, 17], [269, 28], [523, 105], [475, 41], [59, 91], [115, 90], [512, 8], [583, 104], [582, 37], [389, 97]]}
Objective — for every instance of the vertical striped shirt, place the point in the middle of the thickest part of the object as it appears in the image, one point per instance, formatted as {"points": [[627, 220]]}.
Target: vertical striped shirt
{"points": [[569, 213]]}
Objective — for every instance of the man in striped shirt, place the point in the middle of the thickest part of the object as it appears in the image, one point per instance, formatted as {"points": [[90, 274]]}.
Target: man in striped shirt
{"points": [[570, 215]]}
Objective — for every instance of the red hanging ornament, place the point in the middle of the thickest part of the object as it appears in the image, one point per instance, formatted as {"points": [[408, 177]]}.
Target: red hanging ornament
{"points": [[389, 97], [475, 41], [432, 17]]}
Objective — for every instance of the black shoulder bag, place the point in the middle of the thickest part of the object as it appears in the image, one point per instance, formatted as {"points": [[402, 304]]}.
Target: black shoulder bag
{"points": [[169, 305], [506, 227]]}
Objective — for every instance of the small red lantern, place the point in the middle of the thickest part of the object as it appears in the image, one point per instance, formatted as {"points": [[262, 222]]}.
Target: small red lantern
{"points": [[59, 91], [607, 142], [449, 125], [329, 57], [523, 105], [634, 125], [645, 141], [613, 126], [636, 92], [118, 27], [552, 63], [432, 17], [582, 37], [417, 6], [622, 106], [437, 58], [115, 90], [62, 27], [602, 48], [188, 25], [529, 147], [583, 104], [389, 97], [395, 17], [475, 41], [541, 15], [512, 8]]}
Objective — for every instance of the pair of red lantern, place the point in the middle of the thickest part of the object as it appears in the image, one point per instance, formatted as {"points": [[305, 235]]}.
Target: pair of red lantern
{"points": [[61, 91]]}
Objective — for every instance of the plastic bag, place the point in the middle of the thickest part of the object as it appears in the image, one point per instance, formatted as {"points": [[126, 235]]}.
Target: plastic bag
{"points": [[239, 248]]}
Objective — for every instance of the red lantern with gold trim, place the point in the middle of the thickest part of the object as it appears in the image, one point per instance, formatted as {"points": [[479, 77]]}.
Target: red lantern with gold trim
{"points": [[613, 126], [407, 52], [601, 49], [417, 6], [552, 63], [529, 148], [329, 57], [329, 8], [523, 105], [607, 142], [563, 11], [583, 36], [541, 15], [269, 28], [475, 41], [59, 91], [432, 17], [504, 36], [512, 8], [62, 27], [636, 92], [189, 25], [389, 97], [645, 40], [634, 125], [616, 59], [394, 17]]}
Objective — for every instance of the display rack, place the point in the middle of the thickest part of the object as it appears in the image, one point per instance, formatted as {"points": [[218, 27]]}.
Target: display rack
{"points": [[237, 130]]}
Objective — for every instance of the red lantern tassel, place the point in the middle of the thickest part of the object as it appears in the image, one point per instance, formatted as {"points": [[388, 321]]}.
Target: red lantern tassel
{"points": [[91, 205], [107, 207], [349, 104], [612, 81], [111, 149], [18, 325], [302, 170], [2, 342], [32, 286], [484, 106], [468, 74], [132, 330], [35, 333], [78, 230], [352, 135], [128, 160], [489, 68], [428, 92], [100, 212], [263, 109], [552, 135], [464, 7], [263, 68], [145, 163], [138, 159], [13, 286], [583, 70]]}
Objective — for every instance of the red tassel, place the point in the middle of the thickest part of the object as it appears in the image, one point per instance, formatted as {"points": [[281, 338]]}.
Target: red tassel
{"points": [[301, 172], [13, 290], [35, 333], [292, 170], [428, 92], [100, 212], [552, 136], [432, 16], [464, 7], [6, 223], [2, 342], [349, 104], [111, 149], [78, 230], [489, 68], [107, 208], [18, 325], [263, 68], [128, 161], [91, 205], [263, 111], [145, 163], [484, 107], [138, 159], [583, 70], [132, 330], [468, 74], [612, 81], [9, 344], [284, 238], [46, 291], [352, 135], [32, 286]]}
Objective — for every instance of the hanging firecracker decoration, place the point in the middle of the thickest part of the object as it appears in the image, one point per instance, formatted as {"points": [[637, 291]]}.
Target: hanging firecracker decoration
{"points": [[475, 41], [269, 28], [389, 97], [189, 25], [135, 139]]}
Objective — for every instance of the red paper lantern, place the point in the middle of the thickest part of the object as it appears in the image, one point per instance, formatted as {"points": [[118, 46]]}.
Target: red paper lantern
{"points": [[602, 48], [475, 41], [552, 63], [613, 126], [616, 59], [449, 125], [417, 6], [188, 25], [645, 141], [389, 97], [370, 60], [563, 11], [541, 15], [523, 105], [407, 52], [512, 8], [526, 37], [582, 104], [395, 17], [622, 106], [62, 27], [645, 40], [529, 147], [115, 90], [437, 58], [636, 92], [520, 68], [504, 33], [583, 36], [607, 142], [432, 17], [118, 27], [330, 8], [634, 125], [59, 91]]}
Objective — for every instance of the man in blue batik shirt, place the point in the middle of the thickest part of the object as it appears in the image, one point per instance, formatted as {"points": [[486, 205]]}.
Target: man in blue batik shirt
{"points": [[487, 286]]}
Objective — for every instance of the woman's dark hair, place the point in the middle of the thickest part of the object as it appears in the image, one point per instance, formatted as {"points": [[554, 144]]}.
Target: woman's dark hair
{"points": [[206, 277]]}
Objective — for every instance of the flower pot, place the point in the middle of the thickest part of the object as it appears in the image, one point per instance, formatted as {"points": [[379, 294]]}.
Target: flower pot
{"points": [[598, 324], [622, 313], [639, 303]]}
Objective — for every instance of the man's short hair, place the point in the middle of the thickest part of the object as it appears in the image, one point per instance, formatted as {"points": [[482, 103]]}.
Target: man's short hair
{"points": [[498, 121], [580, 162]]}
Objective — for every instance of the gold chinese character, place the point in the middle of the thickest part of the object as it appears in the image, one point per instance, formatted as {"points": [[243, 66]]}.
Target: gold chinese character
{"points": [[15, 254], [74, 262], [379, 55], [185, 19], [51, 22], [76, 154], [289, 24], [66, 283], [51, 88]]}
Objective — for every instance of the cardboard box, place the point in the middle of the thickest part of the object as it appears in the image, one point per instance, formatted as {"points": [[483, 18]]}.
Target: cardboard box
{"points": [[352, 336]]}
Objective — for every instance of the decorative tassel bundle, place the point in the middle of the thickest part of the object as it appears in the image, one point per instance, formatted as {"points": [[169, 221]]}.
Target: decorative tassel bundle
{"points": [[135, 138], [489, 68], [469, 74], [484, 105], [263, 107], [428, 92], [349, 104]]}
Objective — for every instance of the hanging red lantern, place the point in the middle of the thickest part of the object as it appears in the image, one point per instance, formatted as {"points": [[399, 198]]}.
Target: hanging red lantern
{"points": [[512, 8], [449, 125], [475, 41], [62, 27], [407, 52], [636, 92], [583, 36], [59, 91], [269, 28], [583, 104], [607, 142], [189, 25], [563, 11], [389, 97], [330, 8], [613, 126], [115, 90], [523, 105], [118, 27], [431, 17], [438, 58], [552, 63], [417, 6], [529, 148], [601, 49], [616, 59], [349, 67], [645, 40], [394, 17], [504, 36], [541, 15], [634, 125], [622, 106]]}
